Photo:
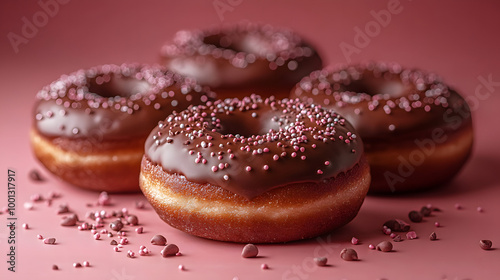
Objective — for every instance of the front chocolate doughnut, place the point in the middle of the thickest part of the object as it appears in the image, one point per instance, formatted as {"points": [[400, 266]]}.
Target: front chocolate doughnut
{"points": [[255, 170], [90, 126], [238, 60], [417, 131]]}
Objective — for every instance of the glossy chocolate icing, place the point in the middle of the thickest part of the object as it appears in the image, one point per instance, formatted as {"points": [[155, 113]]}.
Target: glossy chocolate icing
{"points": [[385, 102], [112, 102], [252, 145], [242, 55]]}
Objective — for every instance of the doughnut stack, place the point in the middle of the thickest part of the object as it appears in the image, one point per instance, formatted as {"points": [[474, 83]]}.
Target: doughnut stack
{"points": [[241, 135]]}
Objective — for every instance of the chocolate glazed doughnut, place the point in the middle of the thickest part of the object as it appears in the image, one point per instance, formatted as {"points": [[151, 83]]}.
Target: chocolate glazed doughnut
{"points": [[242, 59], [416, 130], [90, 126], [255, 170]]}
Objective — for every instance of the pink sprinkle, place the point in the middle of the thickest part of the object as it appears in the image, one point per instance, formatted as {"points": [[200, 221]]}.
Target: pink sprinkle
{"points": [[97, 236], [36, 197], [178, 254], [392, 235], [354, 241], [116, 249], [248, 168], [303, 157], [86, 264], [313, 146], [124, 241], [387, 231], [54, 194], [125, 211], [264, 266], [139, 205], [214, 168], [77, 265], [276, 157], [28, 206], [181, 267], [93, 231], [139, 230], [319, 171], [39, 236], [411, 235], [371, 246], [480, 209], [104, 231], [49, 240], [327, 163], [436, 224], [25, 226], [104, 199], [266, 167], [458, 206], [130, 254]]}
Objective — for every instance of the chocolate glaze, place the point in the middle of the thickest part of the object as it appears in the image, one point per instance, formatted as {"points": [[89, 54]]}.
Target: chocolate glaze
{"points": [[241, 56], [112, 102], [250, 146], [385, 102]]}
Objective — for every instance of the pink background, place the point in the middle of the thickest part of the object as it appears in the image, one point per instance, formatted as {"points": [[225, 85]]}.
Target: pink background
{"points": [[457, 39]]}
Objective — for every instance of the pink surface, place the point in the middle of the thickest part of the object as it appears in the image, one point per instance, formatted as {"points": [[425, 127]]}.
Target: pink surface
{"points": [[457, 39]]}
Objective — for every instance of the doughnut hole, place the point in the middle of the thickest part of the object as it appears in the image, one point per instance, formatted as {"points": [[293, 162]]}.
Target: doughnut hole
{"points": [[112, 85], [391, 86], [240, 123], [256, 44]]}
